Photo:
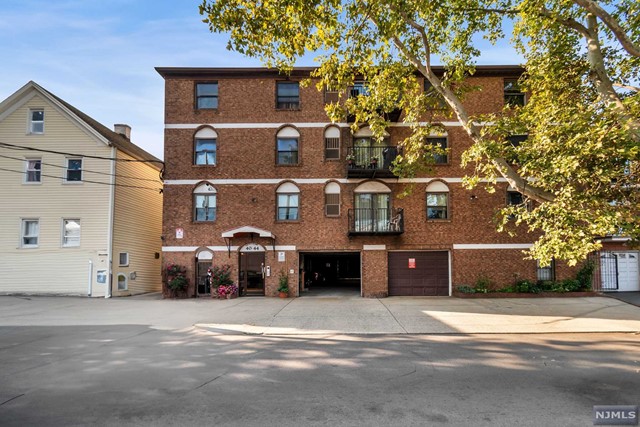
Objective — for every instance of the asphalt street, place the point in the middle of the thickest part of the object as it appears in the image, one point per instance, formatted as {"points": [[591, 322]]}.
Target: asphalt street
{"points": [[127, 373]]}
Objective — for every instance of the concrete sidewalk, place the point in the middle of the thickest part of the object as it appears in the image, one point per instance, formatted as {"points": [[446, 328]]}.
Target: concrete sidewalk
{"points": [[331, 315]]}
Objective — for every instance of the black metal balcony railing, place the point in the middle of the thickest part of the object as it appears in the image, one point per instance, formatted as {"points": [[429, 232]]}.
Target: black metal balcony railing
{"points": [[369, 161], [367, 221]]}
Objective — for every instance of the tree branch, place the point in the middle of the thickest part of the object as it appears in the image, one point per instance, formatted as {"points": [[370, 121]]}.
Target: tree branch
{"points": [[472, 129], [627, 87], [617, 30]]}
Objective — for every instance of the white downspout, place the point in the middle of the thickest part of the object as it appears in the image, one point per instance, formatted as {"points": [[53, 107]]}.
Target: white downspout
{"points": [[90, 278], [112, 198]]}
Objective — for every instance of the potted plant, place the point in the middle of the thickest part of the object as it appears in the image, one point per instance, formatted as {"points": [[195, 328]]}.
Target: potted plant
{"points": [[221, 280], [283, 284], [228, 291], [350, 159]]}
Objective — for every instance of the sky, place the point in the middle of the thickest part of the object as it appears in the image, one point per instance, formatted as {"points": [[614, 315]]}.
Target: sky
{"points": [[100, 55]]}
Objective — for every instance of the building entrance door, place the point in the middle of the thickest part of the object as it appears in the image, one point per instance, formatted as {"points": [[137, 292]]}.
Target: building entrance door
{"points": [[251, 273]]}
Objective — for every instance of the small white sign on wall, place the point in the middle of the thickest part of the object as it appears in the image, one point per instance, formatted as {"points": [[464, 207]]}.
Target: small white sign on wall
{"points": [[179, 233], [280, 256]]}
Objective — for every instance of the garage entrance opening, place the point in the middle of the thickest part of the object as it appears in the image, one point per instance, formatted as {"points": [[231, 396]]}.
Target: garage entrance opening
{"points": [[330, 274]]}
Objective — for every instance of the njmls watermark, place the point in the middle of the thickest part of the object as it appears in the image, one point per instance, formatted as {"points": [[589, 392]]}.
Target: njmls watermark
{"points": [[615, 415]]}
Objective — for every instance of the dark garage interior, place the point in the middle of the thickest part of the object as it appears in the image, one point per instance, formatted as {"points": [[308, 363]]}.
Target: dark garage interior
{"points": [[328, 273]]}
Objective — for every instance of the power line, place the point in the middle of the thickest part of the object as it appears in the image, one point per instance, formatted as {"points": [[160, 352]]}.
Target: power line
{"points": [[84, 170], [22, 147], [85, 180]]}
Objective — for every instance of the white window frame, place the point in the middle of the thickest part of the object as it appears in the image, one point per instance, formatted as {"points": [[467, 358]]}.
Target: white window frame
{"points": [[65, 243], [120, 263], [66, 170], [23, 234], [29, 170], [34, 122]]}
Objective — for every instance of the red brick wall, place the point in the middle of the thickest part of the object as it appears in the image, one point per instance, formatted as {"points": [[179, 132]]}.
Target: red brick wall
{"points": [[374, 274]]}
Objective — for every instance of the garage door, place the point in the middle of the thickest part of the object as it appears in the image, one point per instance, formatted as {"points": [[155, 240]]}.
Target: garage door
{"points": [[419, 273], [628, 271]]}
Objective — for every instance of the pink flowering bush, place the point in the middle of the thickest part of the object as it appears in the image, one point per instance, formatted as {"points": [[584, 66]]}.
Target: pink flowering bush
{"points": [[224, 290]]}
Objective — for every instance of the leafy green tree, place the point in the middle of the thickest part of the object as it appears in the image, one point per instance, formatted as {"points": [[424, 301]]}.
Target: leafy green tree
{"points": [[579, 164]]}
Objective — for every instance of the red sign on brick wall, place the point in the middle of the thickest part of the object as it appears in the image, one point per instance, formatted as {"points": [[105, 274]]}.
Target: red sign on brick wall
{"points": [[412, 263]]}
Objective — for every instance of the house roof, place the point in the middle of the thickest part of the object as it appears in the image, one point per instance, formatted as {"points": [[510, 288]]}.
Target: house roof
{"points": [[107, 135], [253, 72]]}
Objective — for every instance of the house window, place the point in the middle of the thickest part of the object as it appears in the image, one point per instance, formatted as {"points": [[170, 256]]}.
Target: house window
{"points": [[207, 96], [513, 95], [439, 159], [437, 201], [436, 101], [287, 207], [437, 205], [332, 199], [34, 170], [123, 259], [514, 198], [205, 151], [74, 170], [332, 143], [288, 95], [547, 273], [205, 207], [30, 232], [70, 232], [359, 87], [122, 282], [516, 140], [36, 121], [331, 96], [287, 146], [288, 202]]}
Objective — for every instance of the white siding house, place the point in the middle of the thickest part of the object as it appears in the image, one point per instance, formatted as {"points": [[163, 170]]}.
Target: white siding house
{"points": [[67, 209]]}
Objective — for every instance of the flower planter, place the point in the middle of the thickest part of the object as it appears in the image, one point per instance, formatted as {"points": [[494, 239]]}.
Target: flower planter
{"points": [[283, 294]]}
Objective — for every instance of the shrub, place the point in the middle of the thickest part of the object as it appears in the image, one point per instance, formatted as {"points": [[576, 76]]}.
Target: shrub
{"points": [[221, 275], [465, 289], [483, 285], [178, 283], [176, 279], [527, 286], [585, 275]]}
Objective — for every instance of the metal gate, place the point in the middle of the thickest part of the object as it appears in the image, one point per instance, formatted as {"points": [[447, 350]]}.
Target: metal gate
{"points": [[608, 271]]}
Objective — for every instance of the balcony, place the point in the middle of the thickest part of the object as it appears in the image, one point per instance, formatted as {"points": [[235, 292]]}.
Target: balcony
{"points": [[370, 161], [372, 222]]}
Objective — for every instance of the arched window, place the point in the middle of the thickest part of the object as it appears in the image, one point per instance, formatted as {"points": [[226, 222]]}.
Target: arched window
{"points": [[332, 143], [288, 202], [122, 282], [332, 199], [438, 201], [205, 146], [288, 140], [204, 203]]}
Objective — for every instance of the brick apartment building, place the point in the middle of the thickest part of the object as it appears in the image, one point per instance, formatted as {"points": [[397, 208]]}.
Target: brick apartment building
{"points": [[258, 178]]}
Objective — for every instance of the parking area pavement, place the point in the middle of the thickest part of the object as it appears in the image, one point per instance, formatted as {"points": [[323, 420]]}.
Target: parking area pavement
{"points": [[331, 315]]}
